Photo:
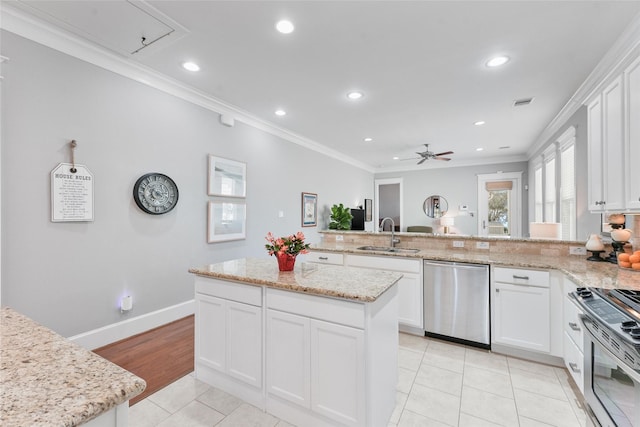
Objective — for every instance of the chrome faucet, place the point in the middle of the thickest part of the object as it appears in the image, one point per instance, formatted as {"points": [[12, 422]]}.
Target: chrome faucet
{"points": [[393, 229]]}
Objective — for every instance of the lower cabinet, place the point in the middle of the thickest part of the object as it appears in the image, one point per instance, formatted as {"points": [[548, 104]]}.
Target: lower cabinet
{"points": [[573, 337], [521, 309], [316, 364]]}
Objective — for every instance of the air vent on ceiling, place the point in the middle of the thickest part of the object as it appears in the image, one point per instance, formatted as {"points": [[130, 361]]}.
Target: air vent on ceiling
{"points": [[522, 102]]}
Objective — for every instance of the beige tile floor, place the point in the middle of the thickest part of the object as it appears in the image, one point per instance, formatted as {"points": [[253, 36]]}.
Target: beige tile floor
{"points": [[440, 384]]}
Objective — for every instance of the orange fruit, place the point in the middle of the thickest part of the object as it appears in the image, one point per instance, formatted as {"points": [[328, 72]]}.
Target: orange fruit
{"points": [[623, 257], [624, 264], [633, 259], [636, 253], [636, 266]]}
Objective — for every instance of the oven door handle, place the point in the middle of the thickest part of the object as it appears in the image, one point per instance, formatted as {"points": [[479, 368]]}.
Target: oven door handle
{"points": [[635, 376]]}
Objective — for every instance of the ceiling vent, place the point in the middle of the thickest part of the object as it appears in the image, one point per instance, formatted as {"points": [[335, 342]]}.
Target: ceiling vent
{"points": [[522, 102]]}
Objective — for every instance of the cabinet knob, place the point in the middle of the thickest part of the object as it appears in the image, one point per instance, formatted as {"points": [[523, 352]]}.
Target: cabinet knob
{"points": [[574, 326], [521, 277], [497, 290], [574, 367], [323, 258]]}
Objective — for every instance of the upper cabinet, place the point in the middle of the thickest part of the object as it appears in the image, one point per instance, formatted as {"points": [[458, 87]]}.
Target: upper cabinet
{"points": [[614, 144]]}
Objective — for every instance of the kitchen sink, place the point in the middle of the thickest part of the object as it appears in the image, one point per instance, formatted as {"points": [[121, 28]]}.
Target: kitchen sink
{"points": [[388, 249]]}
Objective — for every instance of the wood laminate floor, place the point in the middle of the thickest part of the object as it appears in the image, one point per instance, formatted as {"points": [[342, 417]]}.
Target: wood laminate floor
{"points": [[159, 356]]}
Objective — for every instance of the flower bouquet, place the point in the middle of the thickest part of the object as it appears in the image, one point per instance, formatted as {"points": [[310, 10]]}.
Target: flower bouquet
{"points": [[286, 249]]}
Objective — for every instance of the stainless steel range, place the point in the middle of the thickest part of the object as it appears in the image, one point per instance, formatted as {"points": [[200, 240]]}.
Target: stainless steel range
{"points": [[612, 354]]}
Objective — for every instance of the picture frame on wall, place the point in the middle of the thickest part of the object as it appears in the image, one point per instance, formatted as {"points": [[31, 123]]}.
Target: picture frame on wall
{"points": [[227, 178], [368, 210], [226, 220], [309, 209]]}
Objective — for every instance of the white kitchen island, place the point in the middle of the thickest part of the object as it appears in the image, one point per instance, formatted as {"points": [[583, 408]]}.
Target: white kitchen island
{"points": [[315, 347]]}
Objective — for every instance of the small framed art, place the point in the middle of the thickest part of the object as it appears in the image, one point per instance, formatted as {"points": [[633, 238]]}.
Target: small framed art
{"points": [[309, 209], [226, 220], [227, 177]]}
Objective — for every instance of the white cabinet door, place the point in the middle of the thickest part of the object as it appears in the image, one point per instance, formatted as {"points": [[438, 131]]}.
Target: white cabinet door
{"points": [[594, 137], [244, 342], [288, 357], [410, 300], [613, 154], [337, 372], [210, 332], [521, 316], [632, 89]]}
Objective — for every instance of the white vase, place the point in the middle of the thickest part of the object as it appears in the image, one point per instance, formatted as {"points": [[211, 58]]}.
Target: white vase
{"points": [[594, 243]]}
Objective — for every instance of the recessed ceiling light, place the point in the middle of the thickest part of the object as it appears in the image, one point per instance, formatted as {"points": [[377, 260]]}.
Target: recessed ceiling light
{"points": [[368, 139], [497, 61], [191, 66], [396, 158], [479, 149], [285, 26], [280, 113], [355, 94], [479, 123]]}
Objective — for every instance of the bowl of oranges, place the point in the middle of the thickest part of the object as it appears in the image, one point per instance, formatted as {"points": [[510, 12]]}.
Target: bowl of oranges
{"points": [[629, 261]]}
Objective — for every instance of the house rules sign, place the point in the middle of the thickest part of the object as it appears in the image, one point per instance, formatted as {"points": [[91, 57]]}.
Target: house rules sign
{"points": [[71, 193]]}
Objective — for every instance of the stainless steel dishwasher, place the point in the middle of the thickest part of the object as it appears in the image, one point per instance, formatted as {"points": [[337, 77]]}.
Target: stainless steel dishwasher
{"points": [[456, 302]]}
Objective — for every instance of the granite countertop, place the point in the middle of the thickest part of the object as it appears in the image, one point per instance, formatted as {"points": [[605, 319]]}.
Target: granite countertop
{"points": [[325, 280], [47, 380], [577, 268]]}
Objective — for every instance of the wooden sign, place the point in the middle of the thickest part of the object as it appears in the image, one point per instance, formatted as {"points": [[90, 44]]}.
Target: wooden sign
{"points": [[71, 193]]}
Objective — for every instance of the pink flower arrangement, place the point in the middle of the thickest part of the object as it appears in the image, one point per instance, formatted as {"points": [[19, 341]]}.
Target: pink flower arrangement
{"points": [[292, 245]]}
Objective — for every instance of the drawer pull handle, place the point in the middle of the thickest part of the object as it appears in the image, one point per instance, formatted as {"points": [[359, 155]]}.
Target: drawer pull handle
{"points": [[574, 367], [323, 258], [521, 277], [574, 326]]}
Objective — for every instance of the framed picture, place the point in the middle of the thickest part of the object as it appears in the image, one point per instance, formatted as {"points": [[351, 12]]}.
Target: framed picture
{"points": [[309, 209], [226, 220], [368, 210], [227, 177]]}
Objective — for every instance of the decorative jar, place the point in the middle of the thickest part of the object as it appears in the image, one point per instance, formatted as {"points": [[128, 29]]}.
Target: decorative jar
{"points": [[286, 262]]}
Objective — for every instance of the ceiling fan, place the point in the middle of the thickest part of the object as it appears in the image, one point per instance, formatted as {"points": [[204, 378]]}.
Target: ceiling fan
{"points": [[428, 155]]}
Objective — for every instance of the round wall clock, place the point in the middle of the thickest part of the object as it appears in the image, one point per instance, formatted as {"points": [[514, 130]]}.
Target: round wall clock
{"points": [[155, 193]]}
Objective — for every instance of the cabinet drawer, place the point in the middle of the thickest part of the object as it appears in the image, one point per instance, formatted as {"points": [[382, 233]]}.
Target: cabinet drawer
{"points": [[231, 291], [325, 258], [329, 309], [572, 325], [385, 263], [574, 361], [519, 276]]}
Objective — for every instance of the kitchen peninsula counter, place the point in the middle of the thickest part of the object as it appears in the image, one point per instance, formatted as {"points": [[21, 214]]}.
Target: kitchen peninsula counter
{"points": [[582, 272], [46, 380]]}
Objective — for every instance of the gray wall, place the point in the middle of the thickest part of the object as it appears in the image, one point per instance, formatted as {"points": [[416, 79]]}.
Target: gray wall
{"points": [[458, 185], [70, 276], [587, 222]]}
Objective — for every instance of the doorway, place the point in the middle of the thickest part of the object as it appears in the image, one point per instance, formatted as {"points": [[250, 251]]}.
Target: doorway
{"points": [[388, 202], [500, 204]]}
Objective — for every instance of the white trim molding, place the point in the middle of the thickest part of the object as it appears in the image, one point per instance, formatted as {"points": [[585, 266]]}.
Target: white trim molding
{"points": [[130, 327]]}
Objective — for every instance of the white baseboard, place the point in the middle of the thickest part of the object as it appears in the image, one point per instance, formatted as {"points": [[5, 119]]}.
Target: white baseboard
{"points": [[121, 330]]}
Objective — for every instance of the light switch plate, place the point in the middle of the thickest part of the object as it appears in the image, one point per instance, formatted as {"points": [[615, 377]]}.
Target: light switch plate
{"points": [[339, 238], [458, 244], [577, 250]]}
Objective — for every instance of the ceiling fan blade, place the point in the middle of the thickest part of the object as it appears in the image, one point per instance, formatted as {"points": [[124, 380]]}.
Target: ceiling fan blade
{"points": [[442, 158], [422, 160], [444, 153]]}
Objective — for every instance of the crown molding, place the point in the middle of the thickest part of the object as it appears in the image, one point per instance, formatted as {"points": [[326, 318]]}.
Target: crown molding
{"points": [[30, 27], [623, 51]]}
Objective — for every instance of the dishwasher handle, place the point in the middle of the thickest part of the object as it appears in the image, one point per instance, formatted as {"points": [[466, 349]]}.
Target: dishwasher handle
{"points": [[455, 265]]}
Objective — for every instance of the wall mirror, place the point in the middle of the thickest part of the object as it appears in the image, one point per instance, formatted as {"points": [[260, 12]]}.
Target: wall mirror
{"points": [[435, 206]]}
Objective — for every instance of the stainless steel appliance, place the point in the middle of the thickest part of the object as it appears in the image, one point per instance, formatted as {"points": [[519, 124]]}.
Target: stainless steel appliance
{"points": [[456, 302], [612, 355]]}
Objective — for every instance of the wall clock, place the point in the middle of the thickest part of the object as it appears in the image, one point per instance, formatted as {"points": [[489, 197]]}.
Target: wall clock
{"points": [[155, 193]]}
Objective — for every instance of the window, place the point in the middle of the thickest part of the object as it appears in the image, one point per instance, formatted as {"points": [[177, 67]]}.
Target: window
{"points": [[550, 187], [568, 185], [537, 186]]}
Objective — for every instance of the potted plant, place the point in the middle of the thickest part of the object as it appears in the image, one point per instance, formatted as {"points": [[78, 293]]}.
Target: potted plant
{"points": [[340, 218]]}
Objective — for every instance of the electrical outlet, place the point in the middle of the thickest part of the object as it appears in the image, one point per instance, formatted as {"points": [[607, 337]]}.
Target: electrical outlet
{"points": [[458, 244], [577, 250], [339, 238], [482, 245], [280, 214]]}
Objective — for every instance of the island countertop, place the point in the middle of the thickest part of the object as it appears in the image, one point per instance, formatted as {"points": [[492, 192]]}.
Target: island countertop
{"points": [[47, 380], [324, 280]]}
